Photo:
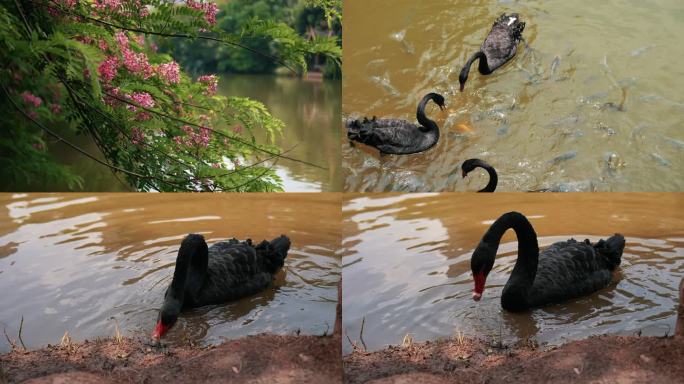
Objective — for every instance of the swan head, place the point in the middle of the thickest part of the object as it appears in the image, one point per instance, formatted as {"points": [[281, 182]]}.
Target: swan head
{"points": [[167, 318], [481, 264], [463, 76], [468, 166], [438, 99]]}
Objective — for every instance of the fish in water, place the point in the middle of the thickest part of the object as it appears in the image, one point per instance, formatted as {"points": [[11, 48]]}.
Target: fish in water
{"points": [[563, 157]]}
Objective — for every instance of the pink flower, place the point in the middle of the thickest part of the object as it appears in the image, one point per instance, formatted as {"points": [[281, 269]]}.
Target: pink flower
{"points": [[212, 83], [210, 10], [143, 99], [38, 146], [216, 165], [102, 45], [108, 68], [30, 98], [144, 12], [137, 136], [137, 63], [170, 72], [55, 108], [238, 129], [122, 39], [111, 5]]}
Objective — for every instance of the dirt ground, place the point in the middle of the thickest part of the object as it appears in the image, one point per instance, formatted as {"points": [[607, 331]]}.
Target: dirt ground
{"points": [[253, 359], [603, 359]]}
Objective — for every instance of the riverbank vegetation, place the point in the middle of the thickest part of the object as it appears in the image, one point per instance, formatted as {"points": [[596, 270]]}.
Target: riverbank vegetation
{"points": [[95, 69]]}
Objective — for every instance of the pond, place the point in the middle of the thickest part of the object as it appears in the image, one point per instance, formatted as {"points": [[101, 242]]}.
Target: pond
{"points": [[406, 266], [594, 103], [85, 263]]}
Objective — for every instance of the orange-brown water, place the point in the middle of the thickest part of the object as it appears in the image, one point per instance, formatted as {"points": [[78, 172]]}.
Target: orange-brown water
{"points": [[547, 119], [406, 265], [84, 262]]}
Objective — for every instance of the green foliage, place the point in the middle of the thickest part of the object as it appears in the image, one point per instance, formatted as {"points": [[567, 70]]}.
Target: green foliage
{"points": [[85, 68], [277, 28]]}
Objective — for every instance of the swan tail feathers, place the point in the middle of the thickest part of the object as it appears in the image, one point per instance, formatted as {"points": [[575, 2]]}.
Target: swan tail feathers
{"points": [[612, 249], [512, 23], [360, 130], [273, 253]]}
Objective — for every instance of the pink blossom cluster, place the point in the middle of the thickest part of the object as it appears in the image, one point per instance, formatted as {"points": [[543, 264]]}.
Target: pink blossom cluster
{"points": [[108, 5], [169, 72], [238, 129], [137, 136], [193, 138], [108, 68], [210, 10], [211, 81], [135, 62], [30, 98], [143, 99]]}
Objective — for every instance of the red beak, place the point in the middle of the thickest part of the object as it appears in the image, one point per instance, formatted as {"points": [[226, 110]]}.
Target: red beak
{"points": [[462, 87], [480, 279], [160, 330]]}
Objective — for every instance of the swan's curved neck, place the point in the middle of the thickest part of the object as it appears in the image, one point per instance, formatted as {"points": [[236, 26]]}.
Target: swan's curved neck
{"points": [[493, 178], [528, 249], [191, 268], [425, 122], [483, 66]]}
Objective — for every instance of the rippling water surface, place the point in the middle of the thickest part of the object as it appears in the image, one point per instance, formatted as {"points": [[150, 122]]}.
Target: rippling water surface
{"points": [[594, 104], [406, 266], [83, 263]]}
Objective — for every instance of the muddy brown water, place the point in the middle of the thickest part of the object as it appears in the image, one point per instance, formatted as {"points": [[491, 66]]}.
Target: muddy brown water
{"points": [[83, 263], [310, 111], [406, 266], [547, 119]]}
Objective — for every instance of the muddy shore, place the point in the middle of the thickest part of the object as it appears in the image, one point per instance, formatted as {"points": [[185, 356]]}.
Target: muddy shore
{"points": [[254, 359], [602, 359]]}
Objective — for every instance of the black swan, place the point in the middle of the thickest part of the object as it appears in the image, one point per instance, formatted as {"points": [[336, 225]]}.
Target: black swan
{"points": [[471, 164], [228, 270], [398, 137], [565, 270], [499, 46]]}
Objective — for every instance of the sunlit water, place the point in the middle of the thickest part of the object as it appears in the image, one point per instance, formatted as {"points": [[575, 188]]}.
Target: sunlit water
{"points": [[83, 263], [309, 109], [406, 266], [547, 119]]}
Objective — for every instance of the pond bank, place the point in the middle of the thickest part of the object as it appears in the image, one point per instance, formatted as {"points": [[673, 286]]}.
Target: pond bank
{"points": [[263, 358], [604, 359]]}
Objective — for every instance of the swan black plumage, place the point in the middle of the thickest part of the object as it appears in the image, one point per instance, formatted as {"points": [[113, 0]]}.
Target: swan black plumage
{"points": [[228, 270], [500, 46], [565, 270], [398, 137], [471, 164]]}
